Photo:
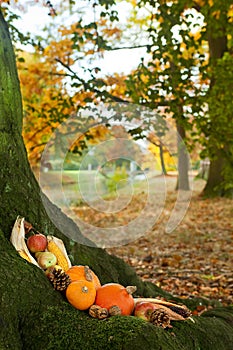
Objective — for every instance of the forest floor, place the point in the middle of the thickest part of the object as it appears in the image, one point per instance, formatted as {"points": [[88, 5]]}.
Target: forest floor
{"points": [[194, 260]]}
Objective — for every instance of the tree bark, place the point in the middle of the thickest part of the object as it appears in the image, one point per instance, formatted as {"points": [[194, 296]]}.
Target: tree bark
{"points": [[219, 183], [161, 156], [33, 316], [215, 178], [183, 160], [183, 157]]}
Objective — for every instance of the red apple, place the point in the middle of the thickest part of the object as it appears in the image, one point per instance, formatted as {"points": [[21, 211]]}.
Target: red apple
{"points": [[46, 259], [144, 309], [37, 243]]}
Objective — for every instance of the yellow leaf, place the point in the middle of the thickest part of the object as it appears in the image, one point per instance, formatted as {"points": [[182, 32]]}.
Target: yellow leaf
{"points": [[200, 2], [230, 14], [216, 14], [211, 3], [196, 36], [182, 46], [160, 19]]}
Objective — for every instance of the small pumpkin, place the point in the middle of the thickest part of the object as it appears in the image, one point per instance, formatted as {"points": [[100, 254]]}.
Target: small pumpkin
{"points": [[81, 294], [81, 272], [114, 294]]}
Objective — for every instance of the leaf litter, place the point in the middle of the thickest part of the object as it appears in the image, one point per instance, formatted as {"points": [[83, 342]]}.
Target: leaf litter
{"points": [[194, 260]]}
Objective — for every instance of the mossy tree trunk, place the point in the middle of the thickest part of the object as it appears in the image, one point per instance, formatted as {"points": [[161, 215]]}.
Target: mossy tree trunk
{"points": [[32, 314]]}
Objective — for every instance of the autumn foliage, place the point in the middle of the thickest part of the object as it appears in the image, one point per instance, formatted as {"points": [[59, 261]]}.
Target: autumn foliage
{"points": [[187, 67]]}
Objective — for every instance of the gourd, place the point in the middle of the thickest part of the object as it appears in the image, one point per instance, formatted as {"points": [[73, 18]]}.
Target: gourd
{"points": [[81, 272], [114, 294], [81, 294]]}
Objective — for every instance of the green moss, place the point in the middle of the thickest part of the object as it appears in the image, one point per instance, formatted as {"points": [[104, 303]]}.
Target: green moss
{"points": [[208, 332], [9, 336], [35, 317], [64, 327], [72, 329]]}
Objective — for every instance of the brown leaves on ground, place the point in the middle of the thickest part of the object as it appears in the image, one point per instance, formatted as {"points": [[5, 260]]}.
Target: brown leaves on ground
{"points": [[195, 260]]}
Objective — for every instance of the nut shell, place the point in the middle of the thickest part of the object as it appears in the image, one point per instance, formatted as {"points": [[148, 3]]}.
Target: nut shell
{"points": [[99, 312], [114, 310]]}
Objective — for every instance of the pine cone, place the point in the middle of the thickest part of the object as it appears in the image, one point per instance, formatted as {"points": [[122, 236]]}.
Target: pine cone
{"points": [[59, 279], [160, 318]]}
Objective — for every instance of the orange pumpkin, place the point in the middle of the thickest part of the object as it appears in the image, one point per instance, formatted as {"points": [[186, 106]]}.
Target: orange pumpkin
{"points": [[111, 294], [81, 272], [81, 294]]}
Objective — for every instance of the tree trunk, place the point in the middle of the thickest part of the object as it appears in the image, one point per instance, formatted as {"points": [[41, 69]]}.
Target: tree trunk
{"points": [[220, 179], [215, 178], [183, 160], [33, 316], [161, 156]]}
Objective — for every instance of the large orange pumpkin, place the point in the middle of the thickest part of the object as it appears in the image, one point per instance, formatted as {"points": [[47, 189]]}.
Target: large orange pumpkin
{"points": [[81, 294], [111, 294], [81, 272]]}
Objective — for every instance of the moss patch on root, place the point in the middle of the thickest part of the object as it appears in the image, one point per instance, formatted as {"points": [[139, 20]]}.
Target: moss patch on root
{"points": [[66, 328]]}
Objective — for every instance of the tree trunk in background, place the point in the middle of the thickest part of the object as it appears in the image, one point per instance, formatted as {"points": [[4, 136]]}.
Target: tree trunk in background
{"points": [[183, 160], [215, 178], [33, 315], [161, 156], [220, 176]]}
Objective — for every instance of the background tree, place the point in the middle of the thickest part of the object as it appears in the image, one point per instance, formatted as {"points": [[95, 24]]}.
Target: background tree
{"points": [[190, 45]]}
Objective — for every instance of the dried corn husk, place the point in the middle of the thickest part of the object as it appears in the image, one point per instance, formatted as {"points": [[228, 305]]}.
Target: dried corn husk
{"points": [[18, 240], [175, 311]]}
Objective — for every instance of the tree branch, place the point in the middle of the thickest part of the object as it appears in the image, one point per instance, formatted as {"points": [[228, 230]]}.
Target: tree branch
{"points": [[126, 47], [86, 85]]}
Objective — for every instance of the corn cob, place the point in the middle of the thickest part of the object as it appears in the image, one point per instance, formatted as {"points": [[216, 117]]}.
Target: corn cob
{"points": [[56, 246]]}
